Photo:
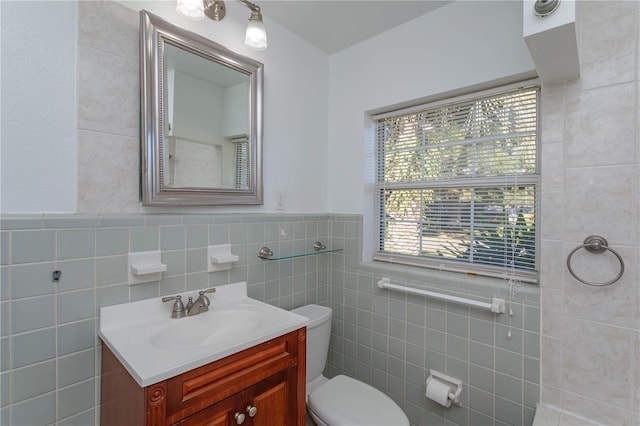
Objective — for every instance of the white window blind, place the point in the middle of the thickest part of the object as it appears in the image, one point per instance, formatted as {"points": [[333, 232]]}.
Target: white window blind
{"points": [[457, 184], [241, 163]]}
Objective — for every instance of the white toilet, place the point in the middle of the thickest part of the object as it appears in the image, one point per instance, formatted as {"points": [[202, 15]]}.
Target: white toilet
{"points": [[341, 401]]}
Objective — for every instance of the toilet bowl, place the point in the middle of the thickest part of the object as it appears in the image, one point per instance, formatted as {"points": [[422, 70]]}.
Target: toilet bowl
{"points": [[342, 400]]}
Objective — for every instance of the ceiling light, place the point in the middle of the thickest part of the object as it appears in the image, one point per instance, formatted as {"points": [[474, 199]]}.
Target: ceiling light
{"points": [[255, 36]]}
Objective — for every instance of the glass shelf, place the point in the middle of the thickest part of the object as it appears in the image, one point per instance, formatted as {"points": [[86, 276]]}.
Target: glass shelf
{"points": [[318, 248]]}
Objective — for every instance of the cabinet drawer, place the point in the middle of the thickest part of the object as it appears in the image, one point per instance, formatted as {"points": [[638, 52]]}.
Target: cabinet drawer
{"points": [[270, 398], [199, 388]]}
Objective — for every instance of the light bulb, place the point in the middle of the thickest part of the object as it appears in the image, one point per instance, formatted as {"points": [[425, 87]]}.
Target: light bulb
{"points": [[256, 36], [192, 9]]}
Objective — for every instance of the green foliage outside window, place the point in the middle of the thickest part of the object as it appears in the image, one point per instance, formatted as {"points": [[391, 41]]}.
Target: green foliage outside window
{"points": [[459, 181]]}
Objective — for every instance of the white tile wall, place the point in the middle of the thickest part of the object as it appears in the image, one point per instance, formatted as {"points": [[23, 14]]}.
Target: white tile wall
{"points": [[108, 108]]}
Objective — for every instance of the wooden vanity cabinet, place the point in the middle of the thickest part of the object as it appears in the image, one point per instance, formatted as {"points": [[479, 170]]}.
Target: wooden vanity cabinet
{"points": [[268, 398], [267, 380]]}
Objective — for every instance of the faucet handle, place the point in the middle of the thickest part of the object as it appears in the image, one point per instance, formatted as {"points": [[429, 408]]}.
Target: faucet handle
{"points": [[205, 298], [178, 307]]}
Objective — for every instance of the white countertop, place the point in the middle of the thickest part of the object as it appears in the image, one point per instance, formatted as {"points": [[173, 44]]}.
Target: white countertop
{"points": [[153, 347]]}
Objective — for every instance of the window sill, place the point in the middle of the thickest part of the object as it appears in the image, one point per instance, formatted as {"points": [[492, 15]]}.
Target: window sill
{"points": [[469, 269]]}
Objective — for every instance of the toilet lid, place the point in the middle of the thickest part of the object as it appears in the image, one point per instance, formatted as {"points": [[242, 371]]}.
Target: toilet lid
{"points": [[343, 401]]}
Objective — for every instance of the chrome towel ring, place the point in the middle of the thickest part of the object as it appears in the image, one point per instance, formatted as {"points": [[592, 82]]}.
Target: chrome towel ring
{"points": [[595, 244]]}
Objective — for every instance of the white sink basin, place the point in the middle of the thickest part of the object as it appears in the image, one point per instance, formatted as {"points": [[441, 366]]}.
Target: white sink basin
{"points": [[210, 328], [153, 346]]}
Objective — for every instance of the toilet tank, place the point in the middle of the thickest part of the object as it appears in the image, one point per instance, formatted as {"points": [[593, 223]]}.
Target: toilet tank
{"points": [[318, 334]]}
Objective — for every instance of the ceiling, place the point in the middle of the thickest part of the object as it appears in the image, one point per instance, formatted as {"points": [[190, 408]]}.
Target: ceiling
{"points": [[334, 25]]}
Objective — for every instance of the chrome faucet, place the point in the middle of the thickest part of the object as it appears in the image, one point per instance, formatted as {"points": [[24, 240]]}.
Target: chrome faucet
{"points": [[193, 308], [201, 304], [178, 307]]}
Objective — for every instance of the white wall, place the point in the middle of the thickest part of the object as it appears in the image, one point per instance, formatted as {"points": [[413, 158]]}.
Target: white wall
{"points": [[198, 109], [460, 45], [39, 101], [39, 109], [295, 98], [236, 110], [435, 56], [463, 46]]}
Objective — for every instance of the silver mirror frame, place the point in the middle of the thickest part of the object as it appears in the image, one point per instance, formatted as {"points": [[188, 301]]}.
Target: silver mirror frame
{"points": [[154, 32]]}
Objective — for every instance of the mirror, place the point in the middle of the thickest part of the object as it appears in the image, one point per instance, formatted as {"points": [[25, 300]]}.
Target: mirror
{"points": [[201, 109]]}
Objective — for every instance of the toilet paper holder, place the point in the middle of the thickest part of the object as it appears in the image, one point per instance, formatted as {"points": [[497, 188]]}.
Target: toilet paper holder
{"points": [[455, 385]]}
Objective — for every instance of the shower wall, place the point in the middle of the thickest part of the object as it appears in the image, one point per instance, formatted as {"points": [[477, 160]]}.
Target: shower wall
{"points": [[590, 357]]}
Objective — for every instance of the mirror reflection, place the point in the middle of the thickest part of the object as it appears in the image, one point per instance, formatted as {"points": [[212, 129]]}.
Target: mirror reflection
{"points": [[207, 122]]}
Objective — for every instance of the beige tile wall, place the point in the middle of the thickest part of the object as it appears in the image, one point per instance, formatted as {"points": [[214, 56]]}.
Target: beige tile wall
{"points": [[591, 182], [108, 108]]}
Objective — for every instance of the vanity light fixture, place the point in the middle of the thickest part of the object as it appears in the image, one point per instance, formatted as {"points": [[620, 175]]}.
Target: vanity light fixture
{"points": [[192, 9], [255, 36]]}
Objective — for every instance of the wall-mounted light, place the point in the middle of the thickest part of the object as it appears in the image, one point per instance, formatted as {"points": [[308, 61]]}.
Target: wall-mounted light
{"points": [[192, 9], [255, 36]]}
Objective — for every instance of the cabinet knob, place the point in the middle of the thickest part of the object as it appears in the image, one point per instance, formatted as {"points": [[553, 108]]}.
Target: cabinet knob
{"points": [[251, 410], [239, 418]]}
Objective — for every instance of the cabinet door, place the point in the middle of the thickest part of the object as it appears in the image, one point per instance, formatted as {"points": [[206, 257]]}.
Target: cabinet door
{"points": [[204, 386], [269, 400], [264, 404], [220, 414]]}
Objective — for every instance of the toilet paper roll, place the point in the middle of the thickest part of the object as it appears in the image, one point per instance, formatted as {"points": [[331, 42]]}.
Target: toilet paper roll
{"points": [[438, 391]]}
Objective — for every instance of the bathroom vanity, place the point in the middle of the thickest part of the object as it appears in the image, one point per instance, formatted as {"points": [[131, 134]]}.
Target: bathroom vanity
{"points": [[251, 372]]}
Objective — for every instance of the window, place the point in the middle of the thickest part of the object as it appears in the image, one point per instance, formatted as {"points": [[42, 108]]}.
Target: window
{"points": [[241, 162], [457, 183]]}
